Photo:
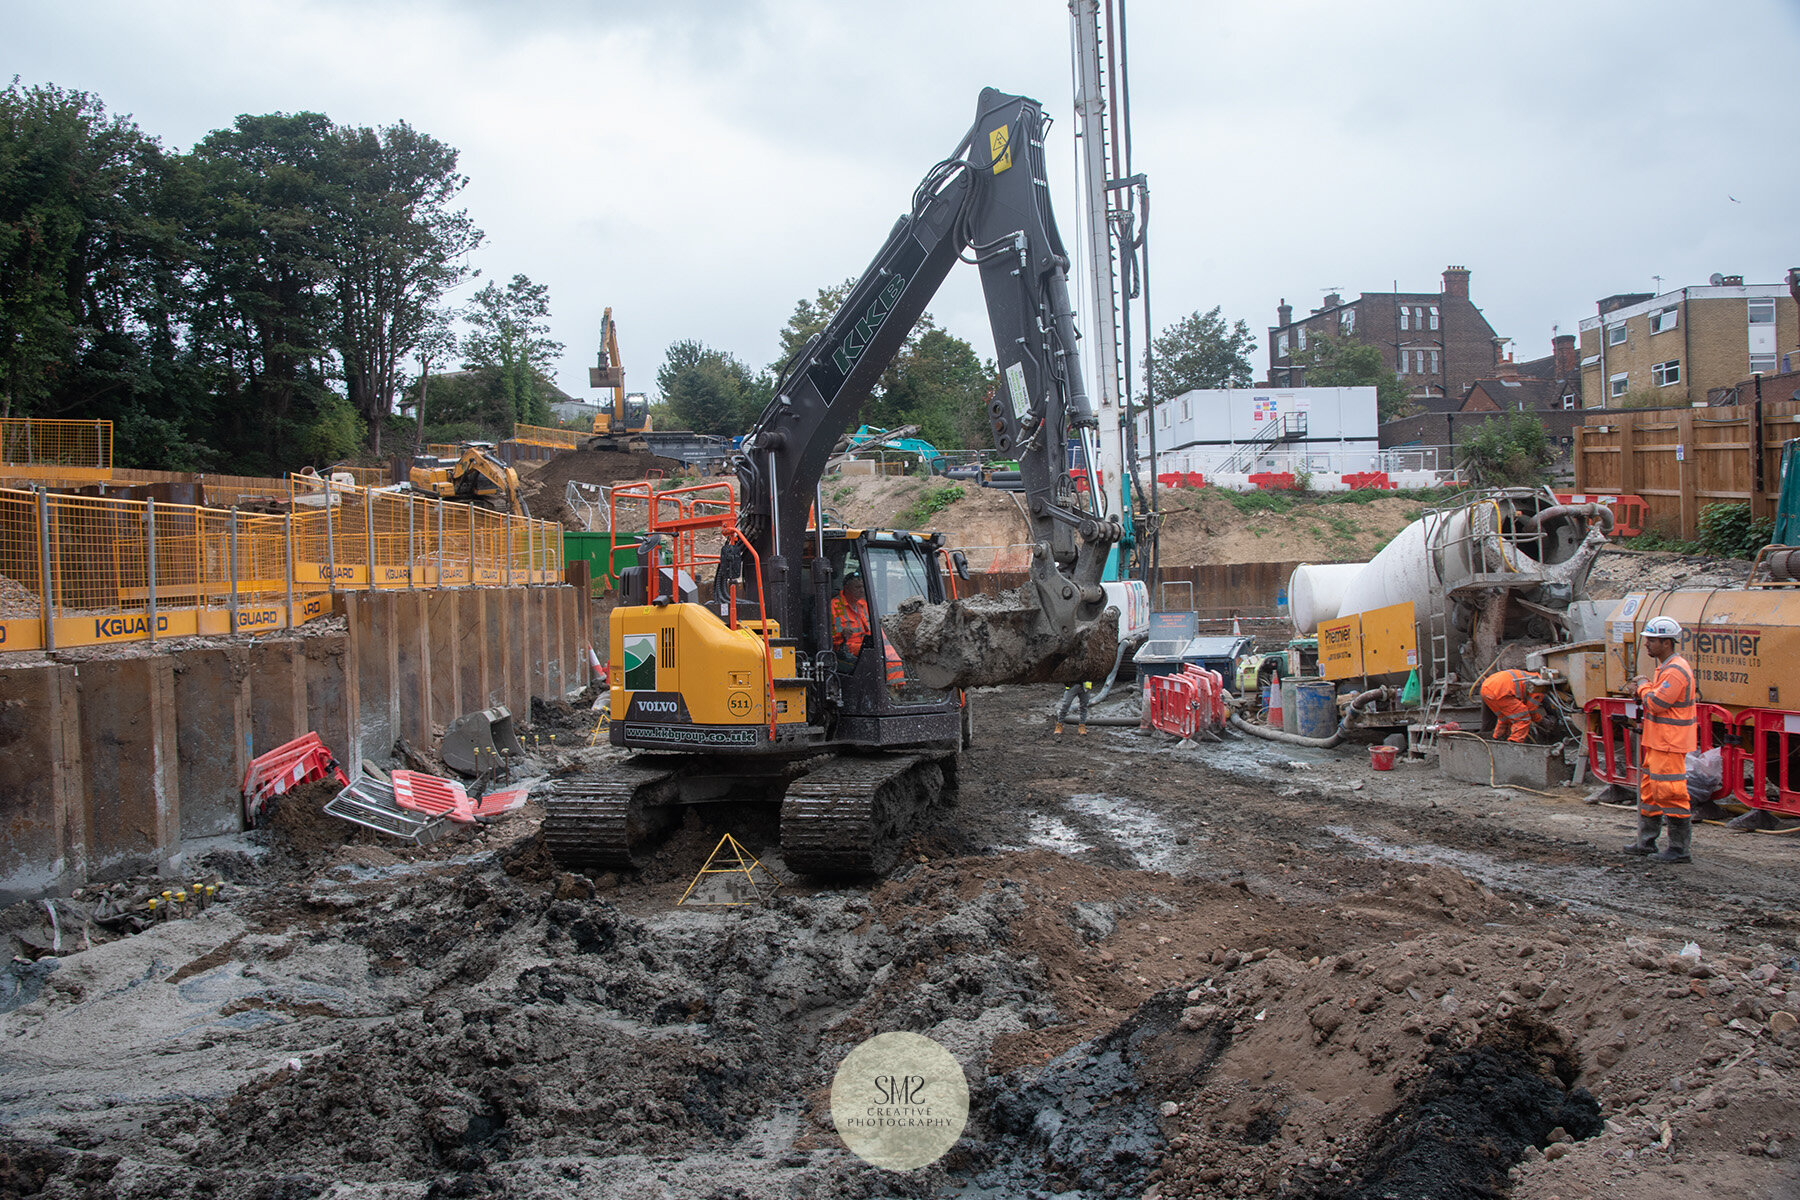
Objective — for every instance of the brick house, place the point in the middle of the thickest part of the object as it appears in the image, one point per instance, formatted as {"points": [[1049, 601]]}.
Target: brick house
{"points": [[1547, 387], [1671, 350], [1437, 341]]}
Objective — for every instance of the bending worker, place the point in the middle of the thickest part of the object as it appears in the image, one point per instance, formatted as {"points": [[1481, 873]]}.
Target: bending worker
{"points": [[851, 630], [1667, 707], [1513, 697]]}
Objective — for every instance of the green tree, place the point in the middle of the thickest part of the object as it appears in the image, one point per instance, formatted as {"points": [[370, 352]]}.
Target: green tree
{"points": [[91, 276], [1511, 449], [710, 391], [1200, 351], [261, 305], [1340, 362], [511, 337], [395, 246]]}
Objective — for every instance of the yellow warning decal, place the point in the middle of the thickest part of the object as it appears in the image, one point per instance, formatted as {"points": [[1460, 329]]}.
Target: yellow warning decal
{"points": [[1000, 148]]}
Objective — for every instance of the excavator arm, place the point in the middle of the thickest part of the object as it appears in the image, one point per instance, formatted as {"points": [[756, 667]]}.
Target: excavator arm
{"points": [[989, 203]]}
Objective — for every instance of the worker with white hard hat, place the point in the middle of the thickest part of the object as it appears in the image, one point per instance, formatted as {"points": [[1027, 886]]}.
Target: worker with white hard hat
{"points": [[1667, 705]]}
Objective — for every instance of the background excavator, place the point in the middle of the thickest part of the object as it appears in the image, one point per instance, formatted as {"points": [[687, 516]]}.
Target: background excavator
{"points": [[475, 476], [623, 419], [745, 696]]}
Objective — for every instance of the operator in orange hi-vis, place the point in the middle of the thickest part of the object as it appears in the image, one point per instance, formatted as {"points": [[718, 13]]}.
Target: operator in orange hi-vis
{"points": [[1666, 705], [850, 628], [1513, 697]]}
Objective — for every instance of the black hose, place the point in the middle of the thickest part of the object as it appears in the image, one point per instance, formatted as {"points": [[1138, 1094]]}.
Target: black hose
{"points": [[1324, 743]]}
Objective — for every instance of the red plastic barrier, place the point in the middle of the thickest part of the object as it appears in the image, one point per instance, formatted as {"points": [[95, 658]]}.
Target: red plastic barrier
{"points": [[1771, 739], [303, 760], [432, 796], [1169, 479], [1274, 481], [1193, 479], [1173, 704], [1369, 479], [1629, 511], [1613, 740]]}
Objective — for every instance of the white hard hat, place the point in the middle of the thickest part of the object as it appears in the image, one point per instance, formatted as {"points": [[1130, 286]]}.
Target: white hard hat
{"points": [[1662, 627]]}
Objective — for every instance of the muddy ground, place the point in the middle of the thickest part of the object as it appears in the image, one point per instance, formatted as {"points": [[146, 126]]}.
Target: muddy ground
{"points": [[1231, 970]]}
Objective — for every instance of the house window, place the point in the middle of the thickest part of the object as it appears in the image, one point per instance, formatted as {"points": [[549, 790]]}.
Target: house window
{"points": [[1400, 369], [1405, 314], [1163, 412], [1281, 345], [1665, 373], [1347, 321], [1665, 319], [1762, 312], [1300, 338], [1568, 401], [1419, 317], [1434, 362], [1434, 316], [1762, 364], [1187, 408], [1616, 384], [1615, 334]]}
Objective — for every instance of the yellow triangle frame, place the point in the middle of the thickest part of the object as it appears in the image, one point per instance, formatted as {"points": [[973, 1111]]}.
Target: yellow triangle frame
{"points": [[730, 858]]}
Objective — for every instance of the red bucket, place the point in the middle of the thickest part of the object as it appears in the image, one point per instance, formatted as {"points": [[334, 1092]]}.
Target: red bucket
{"points": [[1381, 758]]}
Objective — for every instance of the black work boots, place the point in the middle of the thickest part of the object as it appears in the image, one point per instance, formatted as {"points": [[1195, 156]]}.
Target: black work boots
{"points": [[1681, 839]]}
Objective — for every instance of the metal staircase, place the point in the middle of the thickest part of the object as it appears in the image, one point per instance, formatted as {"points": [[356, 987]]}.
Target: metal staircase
{"points": [[1285, 427]]}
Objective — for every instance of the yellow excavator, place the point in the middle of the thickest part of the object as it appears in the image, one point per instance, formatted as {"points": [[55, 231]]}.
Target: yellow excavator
{"points": [[787, 686], [624, 418], [475, 477]]}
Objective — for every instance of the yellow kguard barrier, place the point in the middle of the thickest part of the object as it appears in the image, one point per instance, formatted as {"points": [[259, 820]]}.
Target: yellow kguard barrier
{"points": [[541, 435], [86, 570]]}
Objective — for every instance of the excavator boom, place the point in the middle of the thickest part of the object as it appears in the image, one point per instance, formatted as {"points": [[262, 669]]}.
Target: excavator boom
{"points": [[990, 201]]}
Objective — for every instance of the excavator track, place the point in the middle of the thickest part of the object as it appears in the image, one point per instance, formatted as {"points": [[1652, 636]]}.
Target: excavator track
{"points": [[597, 821], [849, 815]]}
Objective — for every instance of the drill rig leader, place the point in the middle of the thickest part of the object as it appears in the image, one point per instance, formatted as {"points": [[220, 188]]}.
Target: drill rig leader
{"points": [[748, 687]]}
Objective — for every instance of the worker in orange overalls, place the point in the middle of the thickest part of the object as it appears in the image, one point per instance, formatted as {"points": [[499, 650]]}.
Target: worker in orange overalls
{"points": [[850, 629], [1666, 705], [1515, 703]]}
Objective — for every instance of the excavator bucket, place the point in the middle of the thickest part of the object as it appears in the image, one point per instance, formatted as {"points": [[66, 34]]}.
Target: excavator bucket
{"points": [[477, 742], [980, 641]]}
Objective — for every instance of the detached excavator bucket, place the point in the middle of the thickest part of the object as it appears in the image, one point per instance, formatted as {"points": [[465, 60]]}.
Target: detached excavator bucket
{"points": [[476, 742]]}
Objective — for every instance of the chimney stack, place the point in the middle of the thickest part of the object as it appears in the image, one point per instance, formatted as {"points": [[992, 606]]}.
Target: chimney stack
{"points": [[1332, 299], [1284, 313], [1563, 356], [1456, 283]]}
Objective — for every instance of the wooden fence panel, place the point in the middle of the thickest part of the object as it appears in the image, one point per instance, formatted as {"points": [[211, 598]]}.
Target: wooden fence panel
{"points": [[1682, 460]]}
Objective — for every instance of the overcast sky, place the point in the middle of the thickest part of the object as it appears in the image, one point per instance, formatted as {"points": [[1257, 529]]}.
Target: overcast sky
{"points": [[701, 166]]}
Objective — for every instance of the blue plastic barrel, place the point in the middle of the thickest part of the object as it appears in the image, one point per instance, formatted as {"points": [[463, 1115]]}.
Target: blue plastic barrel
{"points": [[1316, 702]]}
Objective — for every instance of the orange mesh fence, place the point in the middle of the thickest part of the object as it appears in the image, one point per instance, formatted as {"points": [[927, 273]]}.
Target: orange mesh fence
{"points": [[540, 435], [124, 570], [32, 443]]}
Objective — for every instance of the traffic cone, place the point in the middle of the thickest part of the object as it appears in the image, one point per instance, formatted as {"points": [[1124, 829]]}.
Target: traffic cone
{"points": [[1275, 714], [1236, 629]]}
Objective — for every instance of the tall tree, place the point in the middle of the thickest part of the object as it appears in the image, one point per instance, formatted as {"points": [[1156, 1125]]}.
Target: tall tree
{"points": [[89, 264], [710, 391], [396, 246], [511, 336], [1340, 362], [262, 300], [1201, 351]]}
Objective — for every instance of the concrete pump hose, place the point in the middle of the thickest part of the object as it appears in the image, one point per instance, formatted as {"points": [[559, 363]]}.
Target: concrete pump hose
{"points": [[1593, 512], [1324, 743]]}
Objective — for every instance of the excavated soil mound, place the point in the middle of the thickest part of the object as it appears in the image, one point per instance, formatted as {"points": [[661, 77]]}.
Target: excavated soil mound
{"points": [[605, 467]]}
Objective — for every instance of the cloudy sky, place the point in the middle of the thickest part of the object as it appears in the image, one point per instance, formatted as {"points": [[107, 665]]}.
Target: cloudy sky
{"points": [[702, 165]]}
